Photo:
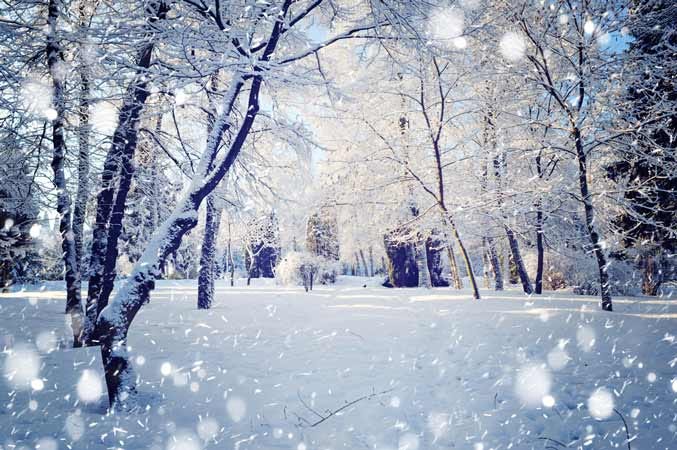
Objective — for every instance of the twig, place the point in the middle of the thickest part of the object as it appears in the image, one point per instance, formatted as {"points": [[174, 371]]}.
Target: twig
{"points": [[338, 410], [298, 394], [552, 440], [625, 424]]}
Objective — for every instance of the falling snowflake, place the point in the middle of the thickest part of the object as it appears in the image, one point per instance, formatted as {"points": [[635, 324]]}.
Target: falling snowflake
{"points": [[22, 366], [89, 386], [532, 384], [236, 408], [601, 404], [512, 46]]}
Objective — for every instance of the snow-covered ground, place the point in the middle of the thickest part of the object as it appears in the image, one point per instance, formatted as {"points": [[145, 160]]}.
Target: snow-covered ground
{"points": [[426, 369]]}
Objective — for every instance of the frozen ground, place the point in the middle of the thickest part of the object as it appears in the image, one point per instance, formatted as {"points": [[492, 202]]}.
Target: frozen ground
{"points": [[434, 369]]}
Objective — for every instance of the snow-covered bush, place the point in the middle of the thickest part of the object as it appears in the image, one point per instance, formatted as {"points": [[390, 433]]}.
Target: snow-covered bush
{"points": [[300, 268]]}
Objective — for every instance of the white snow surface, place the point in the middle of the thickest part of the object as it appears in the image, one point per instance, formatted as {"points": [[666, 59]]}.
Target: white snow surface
{"points": [[434, 369]]}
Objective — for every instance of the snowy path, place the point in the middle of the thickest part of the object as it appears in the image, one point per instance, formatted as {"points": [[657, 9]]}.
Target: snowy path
{"points": [[459, 373]]}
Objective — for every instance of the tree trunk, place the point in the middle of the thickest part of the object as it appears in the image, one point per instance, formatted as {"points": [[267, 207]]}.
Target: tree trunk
{"points": [[540, 248], [114, 232], [358, 269], [371, 261], [251, 265], [464, 255], [364, 263], [72, 273], [588, 207], [400, 261], [652, 274], [205, 287], [121, 150], [518, 261], [495, 264], [486, 265], [422, 265], [82, 195], [231, 261], [453, 267]]}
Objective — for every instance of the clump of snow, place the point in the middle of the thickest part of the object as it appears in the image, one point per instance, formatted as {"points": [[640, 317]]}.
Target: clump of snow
{"points": [[512, 46], [89, 386], [22, 366], [236, 408], [532, 384], [601, 404]]}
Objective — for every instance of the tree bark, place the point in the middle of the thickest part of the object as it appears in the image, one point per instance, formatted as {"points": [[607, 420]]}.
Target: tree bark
{"points": [[652, 274], [371, 261], [518, 261], [72, 273], [119, 155], [84, 99], [422, 264], [453, 267], [205, 286], [495, 264], [464, 254], [364, 263], [589, 210], [540, 248], [499, 167]]}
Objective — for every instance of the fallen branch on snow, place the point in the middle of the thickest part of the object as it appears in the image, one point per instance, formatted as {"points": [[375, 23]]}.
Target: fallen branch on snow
{"points": [[330, 413]]}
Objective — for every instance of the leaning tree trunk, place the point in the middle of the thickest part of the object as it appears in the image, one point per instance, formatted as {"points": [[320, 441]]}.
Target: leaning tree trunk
{"points": [[453, 267], [72, 274], [205, 283], [518, 261], [114, 232], [464, 254], [600, 257], [114, 321], [499, 167], [121, 151]]}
